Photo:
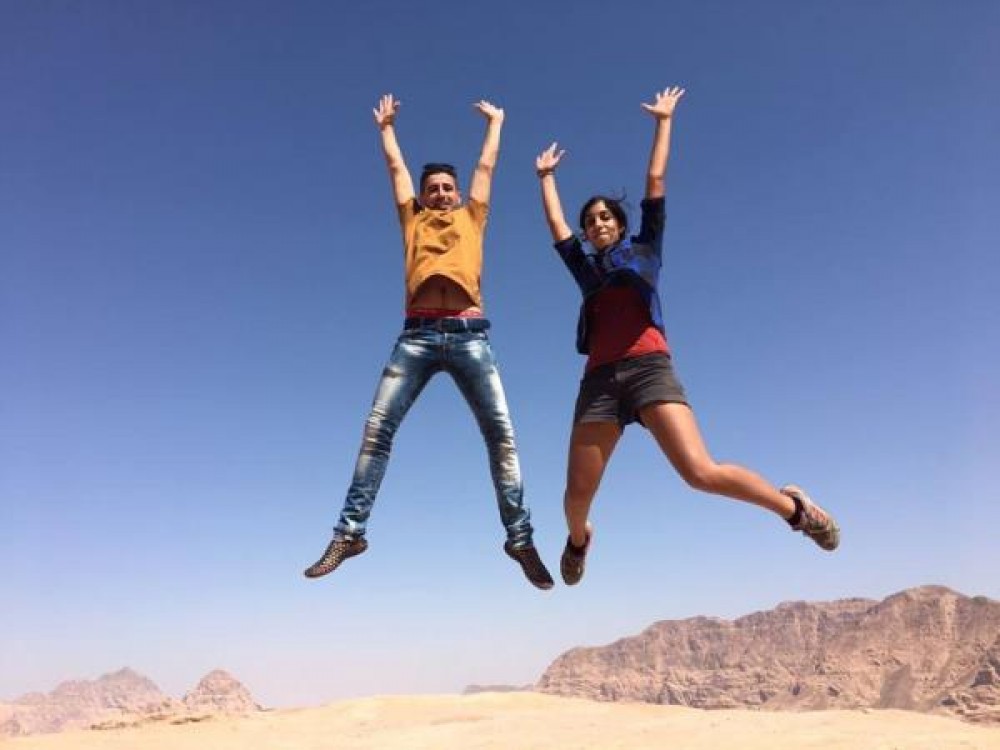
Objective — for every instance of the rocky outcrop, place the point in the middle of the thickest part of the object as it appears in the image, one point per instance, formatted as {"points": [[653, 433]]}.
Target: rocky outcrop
{"points": [[123, 698], [924, 649], [122, 695], [219, 692]]}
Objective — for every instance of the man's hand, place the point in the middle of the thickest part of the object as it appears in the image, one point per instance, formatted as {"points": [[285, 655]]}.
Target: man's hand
{"points": [[385, 112], [482, 176], [385, 117], [547, 161], [489, 111], [663, 107]]}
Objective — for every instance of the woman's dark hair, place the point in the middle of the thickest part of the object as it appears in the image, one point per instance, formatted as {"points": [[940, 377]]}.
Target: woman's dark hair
{"points": [[436, 167], [614, 206]]}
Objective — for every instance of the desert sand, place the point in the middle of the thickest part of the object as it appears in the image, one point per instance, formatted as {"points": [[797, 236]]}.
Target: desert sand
{"points": [[526, 721]]}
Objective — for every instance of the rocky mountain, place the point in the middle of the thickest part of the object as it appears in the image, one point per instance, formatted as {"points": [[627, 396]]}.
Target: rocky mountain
{"points": [[924, 649], [219, 692], [120, 699]]}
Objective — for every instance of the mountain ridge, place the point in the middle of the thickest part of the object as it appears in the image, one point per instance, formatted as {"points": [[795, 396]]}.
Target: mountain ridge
{"points": [[927, 649], [122, 698]]}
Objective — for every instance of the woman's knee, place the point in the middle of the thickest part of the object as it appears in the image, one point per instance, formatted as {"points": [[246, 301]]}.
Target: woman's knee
{"points": [[704, 475]]}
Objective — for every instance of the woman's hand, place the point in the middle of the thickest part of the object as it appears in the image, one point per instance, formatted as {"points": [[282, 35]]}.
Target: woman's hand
{"points": [[547, 161]]}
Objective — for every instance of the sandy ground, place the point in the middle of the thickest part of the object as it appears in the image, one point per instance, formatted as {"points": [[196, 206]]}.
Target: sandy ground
{"points": [[529, 721]]}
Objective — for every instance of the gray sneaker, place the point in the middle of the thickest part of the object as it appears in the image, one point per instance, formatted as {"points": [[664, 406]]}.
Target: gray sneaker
{"points": [[532, 565], [336, 552], [573, 560], [813, 521]]}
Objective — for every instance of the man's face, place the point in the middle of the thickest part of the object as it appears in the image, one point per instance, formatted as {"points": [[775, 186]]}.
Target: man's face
{"points": [[440, 192]]}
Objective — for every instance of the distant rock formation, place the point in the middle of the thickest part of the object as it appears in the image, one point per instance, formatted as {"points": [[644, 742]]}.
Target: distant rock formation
{"points": [[924, 649], [219, 692], [122, 698]]}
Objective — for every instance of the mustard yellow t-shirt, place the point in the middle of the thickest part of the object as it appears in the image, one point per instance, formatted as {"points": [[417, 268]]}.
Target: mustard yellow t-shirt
{"points": [[444, 243]]}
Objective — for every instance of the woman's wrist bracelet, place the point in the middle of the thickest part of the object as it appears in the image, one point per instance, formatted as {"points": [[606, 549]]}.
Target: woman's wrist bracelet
{"points": [[544, 172]]}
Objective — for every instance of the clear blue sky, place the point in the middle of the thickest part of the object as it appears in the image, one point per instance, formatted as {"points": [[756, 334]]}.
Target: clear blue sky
{"points": [[201, 278]]}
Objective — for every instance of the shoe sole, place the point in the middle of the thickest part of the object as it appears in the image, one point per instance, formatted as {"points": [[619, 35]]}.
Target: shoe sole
{"points": [[323, 572], [544, 585]]}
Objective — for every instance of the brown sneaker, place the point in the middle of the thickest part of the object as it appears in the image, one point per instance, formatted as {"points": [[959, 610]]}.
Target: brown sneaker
{"points": [[813, 521], [532, 565], [573, 560], [337, 551]]}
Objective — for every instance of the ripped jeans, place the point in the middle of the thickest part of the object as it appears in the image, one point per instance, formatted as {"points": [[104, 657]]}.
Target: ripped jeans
{"points": [[420, 353]]}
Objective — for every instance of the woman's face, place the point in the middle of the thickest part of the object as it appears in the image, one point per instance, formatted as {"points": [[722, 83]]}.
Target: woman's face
{"points": [[600, 227]]}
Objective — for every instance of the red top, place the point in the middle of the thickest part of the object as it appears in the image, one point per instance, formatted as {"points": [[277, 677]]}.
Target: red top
{"points": [[440, 312], [620, 327]]}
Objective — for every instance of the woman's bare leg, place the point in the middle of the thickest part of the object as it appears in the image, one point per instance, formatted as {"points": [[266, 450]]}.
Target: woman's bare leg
{"points": [[590, 447], [676, 431]]}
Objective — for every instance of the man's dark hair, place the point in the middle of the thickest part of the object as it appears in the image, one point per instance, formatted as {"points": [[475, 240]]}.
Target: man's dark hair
{"points": [[436, 167]]}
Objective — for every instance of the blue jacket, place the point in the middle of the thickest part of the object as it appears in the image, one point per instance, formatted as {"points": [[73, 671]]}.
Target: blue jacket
{"points": [[632, 262]]}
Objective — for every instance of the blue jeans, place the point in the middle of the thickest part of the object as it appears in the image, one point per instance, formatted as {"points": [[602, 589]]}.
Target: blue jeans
{"points": [[419, 354]]}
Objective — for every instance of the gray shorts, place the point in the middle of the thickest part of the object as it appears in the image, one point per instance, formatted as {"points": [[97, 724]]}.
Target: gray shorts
{"points": [[615, 392]]}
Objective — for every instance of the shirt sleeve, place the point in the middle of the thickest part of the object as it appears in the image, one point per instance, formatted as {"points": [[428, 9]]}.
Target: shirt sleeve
{"points": [[583, 270], [407, 211], [651, 225]]}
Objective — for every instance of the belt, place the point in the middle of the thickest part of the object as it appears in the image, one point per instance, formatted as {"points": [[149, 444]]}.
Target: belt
{"points": [[447, 325]]}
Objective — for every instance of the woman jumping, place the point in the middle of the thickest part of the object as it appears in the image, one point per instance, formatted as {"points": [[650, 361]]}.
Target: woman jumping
{"points": [[629, 375]]}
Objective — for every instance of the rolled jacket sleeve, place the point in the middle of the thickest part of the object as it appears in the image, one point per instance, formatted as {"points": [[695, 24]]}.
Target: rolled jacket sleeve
{"points": [[580, 265], [652, 223]]}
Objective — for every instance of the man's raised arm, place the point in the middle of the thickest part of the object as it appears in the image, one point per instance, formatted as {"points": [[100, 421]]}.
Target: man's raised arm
{"points": [[385, 117], [482, 177]]}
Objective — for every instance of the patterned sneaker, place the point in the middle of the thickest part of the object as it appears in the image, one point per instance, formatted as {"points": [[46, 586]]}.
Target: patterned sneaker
{"points": [[532, 565], [812, 521], [337, 551], [573, 559]]}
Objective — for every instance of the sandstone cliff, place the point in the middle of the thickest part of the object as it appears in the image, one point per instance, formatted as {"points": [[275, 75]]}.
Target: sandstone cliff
{"points": [[924, 649]]}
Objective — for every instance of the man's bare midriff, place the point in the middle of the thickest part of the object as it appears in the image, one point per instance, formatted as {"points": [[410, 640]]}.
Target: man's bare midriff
{"points": [[441, 293]]}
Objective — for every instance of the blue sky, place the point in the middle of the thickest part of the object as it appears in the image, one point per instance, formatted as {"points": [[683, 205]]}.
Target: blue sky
{"points": [[200, 280]]}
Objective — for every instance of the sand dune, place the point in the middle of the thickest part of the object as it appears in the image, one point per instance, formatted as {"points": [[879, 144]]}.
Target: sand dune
{"points": [[528, 721]]}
